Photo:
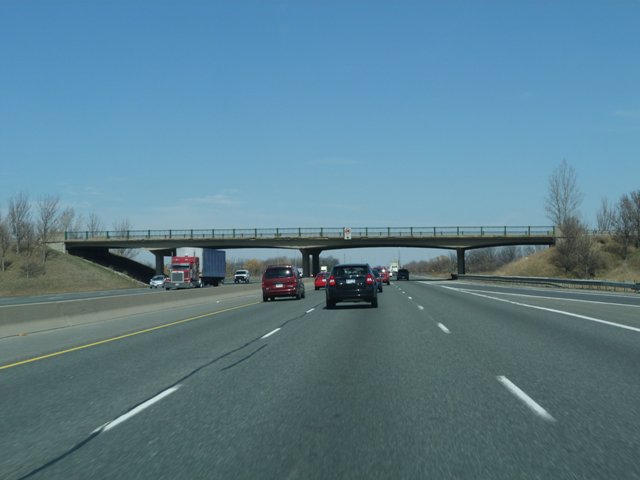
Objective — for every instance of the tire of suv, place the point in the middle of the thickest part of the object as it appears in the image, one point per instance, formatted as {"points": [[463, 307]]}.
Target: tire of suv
{"points": [[374, 302]]}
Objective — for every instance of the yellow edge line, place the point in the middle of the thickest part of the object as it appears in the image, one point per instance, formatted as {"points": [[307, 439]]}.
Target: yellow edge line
{"points": [[120, 337]]}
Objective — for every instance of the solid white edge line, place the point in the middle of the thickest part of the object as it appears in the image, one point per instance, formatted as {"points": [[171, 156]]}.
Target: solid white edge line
{"points": [[138, 409], [526, 399], [578, 300], [443, 328], [552, 310], [270, 333]]}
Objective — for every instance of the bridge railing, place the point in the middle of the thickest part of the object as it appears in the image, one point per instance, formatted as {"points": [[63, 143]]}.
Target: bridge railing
{"points": [[313, 232]]}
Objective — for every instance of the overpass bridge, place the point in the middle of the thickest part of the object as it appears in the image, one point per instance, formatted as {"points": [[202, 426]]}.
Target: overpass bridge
{"points": [[309, 241]]}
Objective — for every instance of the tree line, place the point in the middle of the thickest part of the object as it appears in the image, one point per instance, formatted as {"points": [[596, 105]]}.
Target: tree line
{"points": [[28, 226], [578, 249]]}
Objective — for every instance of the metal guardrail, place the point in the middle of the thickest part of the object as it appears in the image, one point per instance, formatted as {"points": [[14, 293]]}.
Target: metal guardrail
{"points": [[316, 232], [557, 282]]}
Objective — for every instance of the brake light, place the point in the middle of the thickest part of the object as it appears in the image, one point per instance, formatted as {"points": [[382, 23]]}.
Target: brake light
{"points": [[369, 280], [332, 281]]}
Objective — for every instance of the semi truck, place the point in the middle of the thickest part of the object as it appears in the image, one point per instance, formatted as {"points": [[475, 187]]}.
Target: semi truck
{"points": [[184, 272], [212, 264]]}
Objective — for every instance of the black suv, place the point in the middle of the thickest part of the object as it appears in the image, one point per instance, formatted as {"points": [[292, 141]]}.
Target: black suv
{"points": [[352, 282], [403, 274]]}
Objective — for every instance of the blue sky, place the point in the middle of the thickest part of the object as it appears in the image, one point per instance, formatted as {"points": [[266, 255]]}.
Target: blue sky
{"points": [[221, 114]]}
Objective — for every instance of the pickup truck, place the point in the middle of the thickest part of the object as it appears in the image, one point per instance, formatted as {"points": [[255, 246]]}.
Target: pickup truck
{"points": [[242, 276]]}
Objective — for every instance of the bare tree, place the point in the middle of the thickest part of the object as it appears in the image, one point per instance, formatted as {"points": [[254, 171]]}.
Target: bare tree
{"points": [[563, 195], [576, 252], [606, 216], [69, 221], [66, 219], [507, 255], [94, 225], [5, 244], [635, 216], [122, 229], [625, 224], [47, 207], [481, 260], [19, 218]]}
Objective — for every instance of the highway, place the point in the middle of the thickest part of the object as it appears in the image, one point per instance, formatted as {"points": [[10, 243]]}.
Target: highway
{"points": [[443, 380]]}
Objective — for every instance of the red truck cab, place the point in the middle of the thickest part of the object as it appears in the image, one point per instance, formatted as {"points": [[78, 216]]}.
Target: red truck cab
{"points": [[184, 272]]}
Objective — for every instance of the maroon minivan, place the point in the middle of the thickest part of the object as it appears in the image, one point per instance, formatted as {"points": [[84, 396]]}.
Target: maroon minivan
{"points": [[281, 281]]}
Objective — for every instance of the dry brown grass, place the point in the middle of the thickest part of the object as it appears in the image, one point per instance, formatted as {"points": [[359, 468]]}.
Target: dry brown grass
{"points": [[614, 269], [62, 273], [535, 265]]}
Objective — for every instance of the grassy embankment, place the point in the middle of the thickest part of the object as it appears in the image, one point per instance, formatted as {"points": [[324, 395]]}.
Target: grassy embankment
{"points": [[614, 267], [62, 273]]}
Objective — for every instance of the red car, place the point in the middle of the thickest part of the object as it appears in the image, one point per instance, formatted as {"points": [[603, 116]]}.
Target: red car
{"points": [[384, 274], [282, 281], [321, 280]]}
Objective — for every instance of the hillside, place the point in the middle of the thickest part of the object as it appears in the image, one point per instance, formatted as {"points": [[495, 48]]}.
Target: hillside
{"points": [[61, 273], [614, 268]]}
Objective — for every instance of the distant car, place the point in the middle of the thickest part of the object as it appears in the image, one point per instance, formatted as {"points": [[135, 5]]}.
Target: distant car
{"points": [[241, 276], [282, 281], [378, 274], [157, 281], [352, 282], [321, 280], [384, 273], [403, 274]]}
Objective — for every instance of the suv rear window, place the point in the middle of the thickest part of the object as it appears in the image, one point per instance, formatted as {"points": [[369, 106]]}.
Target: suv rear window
{"points": [[350, 271], [278, 272]]}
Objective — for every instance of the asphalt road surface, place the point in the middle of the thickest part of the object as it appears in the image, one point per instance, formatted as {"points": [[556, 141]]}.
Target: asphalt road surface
{"points": [[443, 380]]}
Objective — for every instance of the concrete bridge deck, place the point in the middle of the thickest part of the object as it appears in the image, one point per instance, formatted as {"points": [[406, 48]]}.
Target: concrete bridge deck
{"points": [[312, 241]]}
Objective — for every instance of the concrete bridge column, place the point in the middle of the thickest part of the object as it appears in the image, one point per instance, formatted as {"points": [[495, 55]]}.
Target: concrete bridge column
{"points": [[461, 265], [305, 262], [160, 254], [315, 257], [159, 262]]}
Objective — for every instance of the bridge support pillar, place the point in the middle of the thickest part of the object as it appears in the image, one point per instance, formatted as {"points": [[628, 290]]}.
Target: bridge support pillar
{"points": [[461, 264], [305, 262], [159, 262], [310, 267], [160, 254]]}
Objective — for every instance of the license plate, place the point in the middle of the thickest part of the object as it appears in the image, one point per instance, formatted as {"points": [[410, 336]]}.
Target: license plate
{"points": [[350, 281], [279, 285]]}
